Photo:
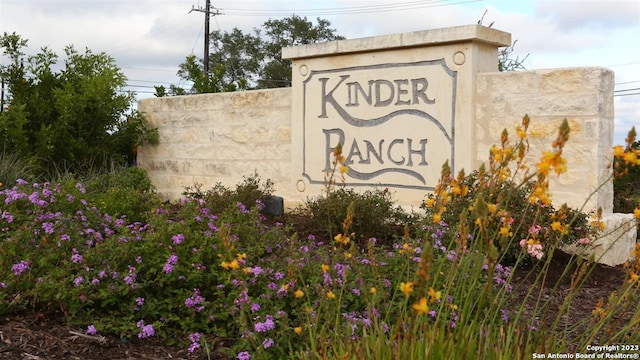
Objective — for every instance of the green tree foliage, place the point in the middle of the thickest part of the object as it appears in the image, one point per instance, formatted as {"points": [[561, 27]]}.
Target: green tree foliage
{"points": [[78, 116], [290, 31], [241, 61], [626, 184]]}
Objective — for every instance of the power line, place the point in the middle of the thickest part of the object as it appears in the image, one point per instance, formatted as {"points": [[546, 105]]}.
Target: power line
{"points": [[410, 5], [627, 82]]}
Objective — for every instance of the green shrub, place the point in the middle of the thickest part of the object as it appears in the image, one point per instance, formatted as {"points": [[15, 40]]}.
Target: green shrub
{"points": [[374, 215], [220, 197], [125, 192], [510, 200]]}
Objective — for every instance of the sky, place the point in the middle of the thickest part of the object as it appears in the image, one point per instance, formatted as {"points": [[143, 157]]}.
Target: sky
{"points": [[149, 39]]}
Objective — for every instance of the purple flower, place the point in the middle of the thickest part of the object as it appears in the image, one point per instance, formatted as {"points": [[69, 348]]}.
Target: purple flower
{"points": [[193, 347], [167, 268], [81, 188], [78, 280], [3, 285], [243, 209], [48, 227], [267, 343], [140, 301], [145, 330], [177, 239], [255, 307], [194, 300], [265, 326], [7, 216], [505, 315], [20, 267], [76, 258], [91, 330], [244, 356]]}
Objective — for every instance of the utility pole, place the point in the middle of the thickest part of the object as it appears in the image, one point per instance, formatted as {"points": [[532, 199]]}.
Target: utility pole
{"points": [[207, 15], [2, 96]]}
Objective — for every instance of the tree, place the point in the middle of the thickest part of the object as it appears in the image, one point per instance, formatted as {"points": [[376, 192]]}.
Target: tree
{"points": [[69, 118], [290, 31], [241, 61]]}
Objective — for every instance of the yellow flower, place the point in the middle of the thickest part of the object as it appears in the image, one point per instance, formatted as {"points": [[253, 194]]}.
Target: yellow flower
{"points": [[492, 208], [343, 169], [241, 256], [636, 212], [618, 151], [430, 202], [630, 158], [347, 255], [246, 270], [298, 294], [557, 226], [297, 330], [234, 265], [437, 218], [406, 288], [373, 290], [340, 239], [331, 295], [325, 268], [434, 295], [421, 306], [505, 230]]}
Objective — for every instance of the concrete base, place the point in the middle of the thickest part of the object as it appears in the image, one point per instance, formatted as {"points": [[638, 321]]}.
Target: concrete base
{"points": [[615, 245]]}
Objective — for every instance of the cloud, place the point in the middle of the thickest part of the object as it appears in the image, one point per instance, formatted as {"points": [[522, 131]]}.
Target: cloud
{"points": [[587, 14]]}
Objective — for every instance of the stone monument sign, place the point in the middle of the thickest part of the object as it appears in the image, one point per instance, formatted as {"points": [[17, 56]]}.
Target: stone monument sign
{"points": [[400, 109]]}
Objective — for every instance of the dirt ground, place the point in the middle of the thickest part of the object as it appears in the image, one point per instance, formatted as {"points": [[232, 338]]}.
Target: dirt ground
{"points": [[34, 335]]}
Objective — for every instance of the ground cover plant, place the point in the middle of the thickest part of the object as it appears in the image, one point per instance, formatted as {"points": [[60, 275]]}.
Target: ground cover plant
{"points": [[225, 281]]}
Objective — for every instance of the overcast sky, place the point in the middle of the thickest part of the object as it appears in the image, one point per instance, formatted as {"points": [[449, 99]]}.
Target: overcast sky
{"points": [[149, 39]]}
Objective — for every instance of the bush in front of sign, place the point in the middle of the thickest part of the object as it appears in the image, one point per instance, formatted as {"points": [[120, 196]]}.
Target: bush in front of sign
{"points": [[374, 215], [507, 203]]}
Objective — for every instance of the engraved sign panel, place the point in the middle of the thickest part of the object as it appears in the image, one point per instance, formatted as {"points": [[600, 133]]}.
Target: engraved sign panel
{"points": [[395, 122]]}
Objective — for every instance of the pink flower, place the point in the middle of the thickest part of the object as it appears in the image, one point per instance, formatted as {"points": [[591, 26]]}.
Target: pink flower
{"points": [[91, 330]]}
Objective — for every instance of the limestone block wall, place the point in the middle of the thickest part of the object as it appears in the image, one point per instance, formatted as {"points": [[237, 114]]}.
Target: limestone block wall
{"points": [[584, 96], [223, 137]]}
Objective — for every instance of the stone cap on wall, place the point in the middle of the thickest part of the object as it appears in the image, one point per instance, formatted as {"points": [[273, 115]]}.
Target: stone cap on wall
{"points": [[457, 34]]}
